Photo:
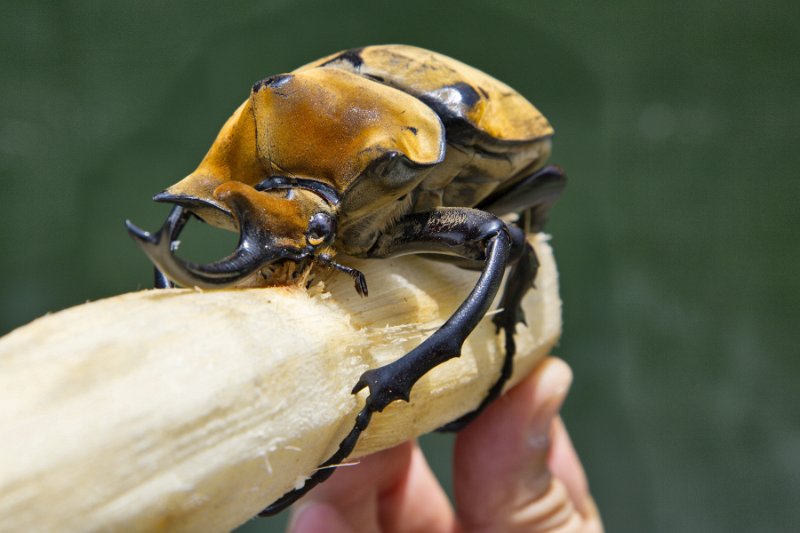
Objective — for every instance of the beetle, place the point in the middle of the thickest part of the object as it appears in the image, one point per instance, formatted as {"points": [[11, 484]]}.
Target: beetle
{"points": [[374, 152]]}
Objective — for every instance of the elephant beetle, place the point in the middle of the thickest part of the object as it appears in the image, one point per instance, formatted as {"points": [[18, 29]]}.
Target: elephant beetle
{"points": [[374, 152]]}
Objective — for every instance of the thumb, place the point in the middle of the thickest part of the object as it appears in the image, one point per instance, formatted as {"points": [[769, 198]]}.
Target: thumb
{"points": [[502, 478]]}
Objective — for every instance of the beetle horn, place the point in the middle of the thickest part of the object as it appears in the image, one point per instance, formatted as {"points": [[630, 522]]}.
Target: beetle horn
{"points": [[253, 253]]}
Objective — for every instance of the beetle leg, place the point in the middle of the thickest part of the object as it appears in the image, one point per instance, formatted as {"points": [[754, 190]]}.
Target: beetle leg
{"points": [[519, 281], [358, 276], [464, 232], [534, 195]]}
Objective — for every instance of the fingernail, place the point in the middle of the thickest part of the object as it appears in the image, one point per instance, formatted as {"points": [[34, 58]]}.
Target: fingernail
{"points": [[551, 390]]}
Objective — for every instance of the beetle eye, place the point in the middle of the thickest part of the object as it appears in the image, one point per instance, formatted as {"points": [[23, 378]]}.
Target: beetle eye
{"points": [[320, 229]]}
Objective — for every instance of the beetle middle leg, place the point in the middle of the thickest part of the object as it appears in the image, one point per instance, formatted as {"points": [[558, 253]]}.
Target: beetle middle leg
{"points": [[468, 233], [520, 280], [532, 199]]}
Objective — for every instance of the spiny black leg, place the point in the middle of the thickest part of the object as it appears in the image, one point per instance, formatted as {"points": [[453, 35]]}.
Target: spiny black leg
{"points": [[532, 197], [327, 468], [469, 233], [519, 281], [446, 230]]}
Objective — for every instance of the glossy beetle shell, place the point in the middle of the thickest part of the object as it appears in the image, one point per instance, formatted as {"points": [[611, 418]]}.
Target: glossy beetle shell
{"points": [[393, 129]]}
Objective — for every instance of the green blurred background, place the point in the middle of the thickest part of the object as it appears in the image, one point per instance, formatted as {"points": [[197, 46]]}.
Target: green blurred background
{"points": [[677, 240]]}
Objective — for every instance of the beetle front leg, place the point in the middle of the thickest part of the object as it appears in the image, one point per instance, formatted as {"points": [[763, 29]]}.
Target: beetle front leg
{"points": [[468, 233]]}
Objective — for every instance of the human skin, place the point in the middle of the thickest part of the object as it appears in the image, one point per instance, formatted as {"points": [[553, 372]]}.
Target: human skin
{"points": [[515, 470]]}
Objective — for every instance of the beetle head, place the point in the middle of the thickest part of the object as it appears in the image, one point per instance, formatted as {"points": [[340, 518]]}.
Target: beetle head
{"points": [[281, 221], [278, 228]]}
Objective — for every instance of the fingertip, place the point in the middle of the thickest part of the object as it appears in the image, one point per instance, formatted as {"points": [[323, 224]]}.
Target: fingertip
{"points": [[553, 377], [417, 502], [549, 388], [519, 417], [353, 483], [501, 457], [392, 490], [565, 465]]}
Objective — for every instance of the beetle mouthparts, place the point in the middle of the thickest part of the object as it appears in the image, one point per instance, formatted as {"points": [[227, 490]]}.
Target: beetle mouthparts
{"points": [[251, 255]]}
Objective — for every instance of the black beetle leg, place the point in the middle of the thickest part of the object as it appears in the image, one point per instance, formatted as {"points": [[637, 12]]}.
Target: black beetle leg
{"points": [[327, 468], [520, 279], [534, 195], [468, 233], [176, 221], [358, 276]]}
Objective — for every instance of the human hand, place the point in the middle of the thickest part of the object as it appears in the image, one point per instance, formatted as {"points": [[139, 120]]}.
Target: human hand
{"points": [[515, 469]]}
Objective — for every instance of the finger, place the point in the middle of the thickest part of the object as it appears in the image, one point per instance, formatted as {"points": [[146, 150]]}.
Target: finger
{"points": [[417, 503], [393, 490], [502, 479], [352, 490], [566, 466], [318, 517]]}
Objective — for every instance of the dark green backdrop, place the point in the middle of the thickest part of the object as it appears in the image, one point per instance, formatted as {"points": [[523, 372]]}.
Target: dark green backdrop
{"points": [[677, 241]]}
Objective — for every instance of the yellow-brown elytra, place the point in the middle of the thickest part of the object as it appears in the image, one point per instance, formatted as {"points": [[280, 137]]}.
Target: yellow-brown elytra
{"points": [[373, 152]]}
